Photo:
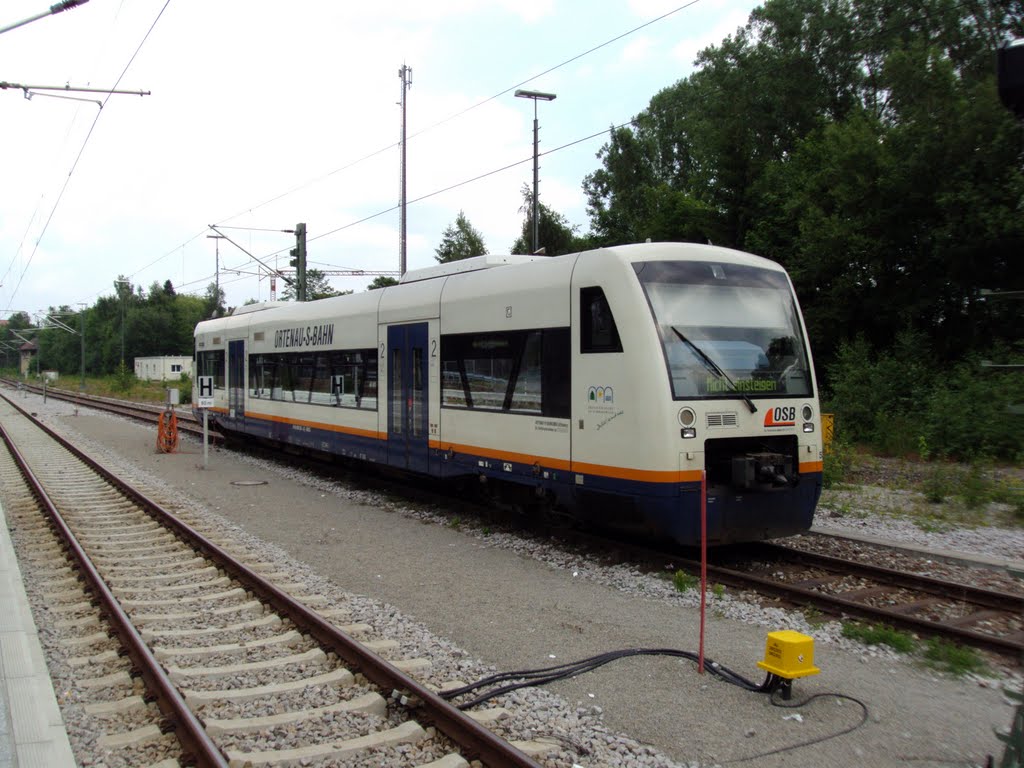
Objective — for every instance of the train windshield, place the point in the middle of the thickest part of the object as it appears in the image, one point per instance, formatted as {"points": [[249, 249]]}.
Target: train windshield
{"points": [[727, 330]]}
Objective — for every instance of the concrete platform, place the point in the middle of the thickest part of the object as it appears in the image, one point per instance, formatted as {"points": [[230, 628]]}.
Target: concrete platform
{"points": [[32, 730]]}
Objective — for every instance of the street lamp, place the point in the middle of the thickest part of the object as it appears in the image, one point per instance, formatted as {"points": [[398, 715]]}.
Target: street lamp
{"points": [[536, 96]]}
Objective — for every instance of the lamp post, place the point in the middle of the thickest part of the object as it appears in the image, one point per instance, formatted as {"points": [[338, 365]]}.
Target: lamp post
{"points": [[535, 96]]}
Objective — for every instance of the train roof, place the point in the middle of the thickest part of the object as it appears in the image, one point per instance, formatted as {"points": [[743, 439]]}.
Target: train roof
{"points": [[691, 252], [416, 290], [461, 266]]}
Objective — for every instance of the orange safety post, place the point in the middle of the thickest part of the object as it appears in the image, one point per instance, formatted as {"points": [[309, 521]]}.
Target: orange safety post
{"points": [[167, 432]]}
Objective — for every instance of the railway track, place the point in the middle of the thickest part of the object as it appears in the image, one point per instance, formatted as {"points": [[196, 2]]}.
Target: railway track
{"points": [[183, 652], [139, 411], [986, 619]]}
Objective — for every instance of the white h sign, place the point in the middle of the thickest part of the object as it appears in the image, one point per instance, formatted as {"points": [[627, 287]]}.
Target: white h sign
{"points": [[205, 386]]}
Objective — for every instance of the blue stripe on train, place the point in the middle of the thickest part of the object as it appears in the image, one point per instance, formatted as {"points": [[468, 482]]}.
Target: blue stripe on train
{"points": [[665, 510]]}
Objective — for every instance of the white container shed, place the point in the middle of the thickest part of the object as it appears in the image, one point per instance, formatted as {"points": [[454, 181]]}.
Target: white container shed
{"points": [[166, 368]]}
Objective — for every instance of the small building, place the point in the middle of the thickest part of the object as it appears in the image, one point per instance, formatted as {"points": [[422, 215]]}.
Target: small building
{"points": [[165, 368], [28, 350]]}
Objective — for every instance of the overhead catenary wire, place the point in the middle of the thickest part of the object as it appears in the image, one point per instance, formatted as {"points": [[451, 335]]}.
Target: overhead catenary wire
{"points": [[81, 151], [450, 187], [460, 113], [381, 150]]}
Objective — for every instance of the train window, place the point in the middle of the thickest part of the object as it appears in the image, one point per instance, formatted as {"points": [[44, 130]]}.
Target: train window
{"points": [[211, 364], [339, 378], [526, 396], [598, 332], [396, 390], [518, 372]]}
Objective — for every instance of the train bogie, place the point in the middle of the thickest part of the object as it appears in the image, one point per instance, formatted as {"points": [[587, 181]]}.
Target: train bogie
{"points": [[615, 384]]}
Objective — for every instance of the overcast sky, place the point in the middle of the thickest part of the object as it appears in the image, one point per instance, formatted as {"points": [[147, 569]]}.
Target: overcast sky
{"points": [[264, 114]]}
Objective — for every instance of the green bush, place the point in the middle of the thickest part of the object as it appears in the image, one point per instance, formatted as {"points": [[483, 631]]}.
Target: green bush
{"points": [[896, 402], [880, 398], [836, 463], [124, 378], [967, 415], [938, 483], [684, 581]]}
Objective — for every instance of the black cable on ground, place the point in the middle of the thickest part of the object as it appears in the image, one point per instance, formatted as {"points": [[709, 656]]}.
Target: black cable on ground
{"points": [[531, 677], [809, 742], [773, 685]]}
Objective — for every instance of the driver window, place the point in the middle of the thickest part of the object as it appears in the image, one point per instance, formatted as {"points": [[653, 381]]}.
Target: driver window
{"points": [[598, 332]]}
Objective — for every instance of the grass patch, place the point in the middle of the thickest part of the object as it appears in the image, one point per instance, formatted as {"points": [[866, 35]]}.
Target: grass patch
{"points": [[814, 618], [952, 658], [1011, 493], [684, 581], [871, 634], [126, 386], [936, 653]]}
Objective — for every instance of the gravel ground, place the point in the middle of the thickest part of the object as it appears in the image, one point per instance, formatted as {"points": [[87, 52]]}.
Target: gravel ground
{"points": [[502, 601]]}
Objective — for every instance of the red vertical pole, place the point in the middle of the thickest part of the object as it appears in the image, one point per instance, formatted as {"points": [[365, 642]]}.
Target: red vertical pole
{"points": [[703, 563]]}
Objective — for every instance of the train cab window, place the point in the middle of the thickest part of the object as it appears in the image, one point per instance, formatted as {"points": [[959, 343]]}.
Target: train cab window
{"points": [[211, 364], [598, 332]]}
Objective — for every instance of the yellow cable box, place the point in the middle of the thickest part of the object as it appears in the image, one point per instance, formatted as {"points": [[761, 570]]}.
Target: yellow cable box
{"points": [[789, 654]]}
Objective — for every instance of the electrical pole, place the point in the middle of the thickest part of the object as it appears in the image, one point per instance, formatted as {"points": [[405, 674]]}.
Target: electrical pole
{"points": [[298, 261], [406, 74], [81, 332], [216, 271]]}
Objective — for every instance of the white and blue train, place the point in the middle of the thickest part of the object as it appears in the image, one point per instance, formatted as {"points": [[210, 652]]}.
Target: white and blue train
{"points": [[606, 384]]}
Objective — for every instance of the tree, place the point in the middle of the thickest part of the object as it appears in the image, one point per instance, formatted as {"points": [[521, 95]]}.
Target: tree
{"points": [[382, 281], [860, 144], [317, 287], [213, 302], [555, 235], [460, 241]]}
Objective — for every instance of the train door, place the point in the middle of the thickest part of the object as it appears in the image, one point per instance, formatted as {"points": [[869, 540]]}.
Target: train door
{"points": [[236, 379], [407, 396]]}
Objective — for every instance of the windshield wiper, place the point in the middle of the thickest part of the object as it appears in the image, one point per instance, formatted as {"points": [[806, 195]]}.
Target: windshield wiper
{"points": [[715, 368]]}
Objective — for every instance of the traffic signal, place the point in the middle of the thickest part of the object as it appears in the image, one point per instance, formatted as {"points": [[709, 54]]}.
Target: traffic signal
{"points": [[298, 260]]}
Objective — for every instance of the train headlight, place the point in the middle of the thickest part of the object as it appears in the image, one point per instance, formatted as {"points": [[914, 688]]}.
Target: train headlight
{"points": [[687, 418], [807, 412]]}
